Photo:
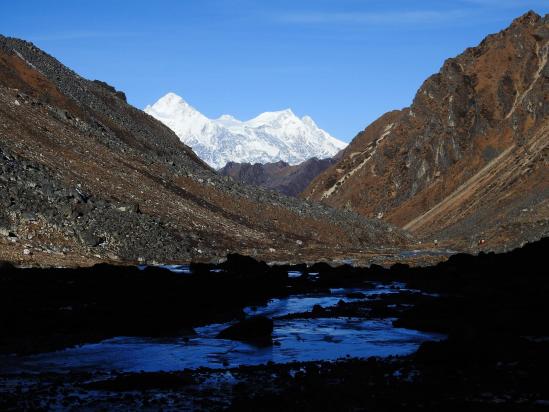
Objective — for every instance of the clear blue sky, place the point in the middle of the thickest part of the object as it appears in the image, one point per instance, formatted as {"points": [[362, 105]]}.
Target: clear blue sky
{"points": [[343, 62]]}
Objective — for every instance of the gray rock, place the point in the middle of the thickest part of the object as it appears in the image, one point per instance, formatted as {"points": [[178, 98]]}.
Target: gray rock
{"points": [[88, 238]]}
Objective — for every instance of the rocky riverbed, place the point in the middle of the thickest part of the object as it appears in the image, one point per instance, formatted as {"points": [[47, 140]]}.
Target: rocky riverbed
{"points": [[481, 319]]}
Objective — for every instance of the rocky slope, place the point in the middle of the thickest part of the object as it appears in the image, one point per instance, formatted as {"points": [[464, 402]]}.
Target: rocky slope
{"points": [[280, 176], [267, 138], [468, 159], [85, 177]]}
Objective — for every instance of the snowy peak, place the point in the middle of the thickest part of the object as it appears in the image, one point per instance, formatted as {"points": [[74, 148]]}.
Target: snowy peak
{"points": [[275, 119], [171, 104], [267, 138], [183, 119], [227, 120], [309, 122]]}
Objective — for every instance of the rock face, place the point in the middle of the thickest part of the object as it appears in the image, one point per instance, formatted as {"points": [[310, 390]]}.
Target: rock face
{"points": [[269, 137], [468, 159], [85, 177], [279, 176]]}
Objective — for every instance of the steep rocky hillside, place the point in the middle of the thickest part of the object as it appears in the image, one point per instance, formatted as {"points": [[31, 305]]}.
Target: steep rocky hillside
{"points": [[85, 177], [468, 159], [279, 176]]}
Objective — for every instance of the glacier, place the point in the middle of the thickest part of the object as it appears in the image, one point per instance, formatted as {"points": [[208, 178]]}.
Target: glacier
{"points": [[269, 137]]}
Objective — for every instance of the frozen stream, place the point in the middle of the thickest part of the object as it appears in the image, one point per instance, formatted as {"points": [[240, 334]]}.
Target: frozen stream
{"points": [[295, 340]]}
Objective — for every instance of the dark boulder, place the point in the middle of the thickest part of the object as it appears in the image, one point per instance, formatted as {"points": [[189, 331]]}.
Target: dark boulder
{"points": [[321, 267], [318, 310], [236, 263], [257, 329]]}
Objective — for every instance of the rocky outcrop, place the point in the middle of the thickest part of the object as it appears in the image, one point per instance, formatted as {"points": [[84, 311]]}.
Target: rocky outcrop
{"points": [[467, 161], [280, 176], [86, 178]]}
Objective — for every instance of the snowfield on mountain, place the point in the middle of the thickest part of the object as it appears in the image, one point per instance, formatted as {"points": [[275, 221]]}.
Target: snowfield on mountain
{"points": [[267, 138]]}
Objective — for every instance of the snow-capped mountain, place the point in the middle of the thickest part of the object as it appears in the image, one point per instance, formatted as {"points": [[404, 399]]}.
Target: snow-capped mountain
{"points": [[267, 138]]}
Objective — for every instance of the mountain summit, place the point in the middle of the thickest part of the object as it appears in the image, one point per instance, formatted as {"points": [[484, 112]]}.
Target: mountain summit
{"points": [[269, 137]]}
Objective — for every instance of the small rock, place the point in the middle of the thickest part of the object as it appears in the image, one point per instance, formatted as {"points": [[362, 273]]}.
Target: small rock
{"points": [[29, 216]]}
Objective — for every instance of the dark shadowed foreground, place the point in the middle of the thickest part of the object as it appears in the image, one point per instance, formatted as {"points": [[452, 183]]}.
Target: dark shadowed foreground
{"points": [[492, 308]]}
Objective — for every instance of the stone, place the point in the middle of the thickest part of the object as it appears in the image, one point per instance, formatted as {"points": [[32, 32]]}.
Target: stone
{"points": [[88, 238], [256, 329]]}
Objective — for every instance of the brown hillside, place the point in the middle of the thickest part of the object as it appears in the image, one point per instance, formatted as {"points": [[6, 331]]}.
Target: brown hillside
{"points": [[468, 159], [85, 177]]}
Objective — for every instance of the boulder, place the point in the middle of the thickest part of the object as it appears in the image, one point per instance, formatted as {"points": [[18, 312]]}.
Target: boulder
{"points": [[90, 239], [318, 310], [256, 329], [236, 263]]}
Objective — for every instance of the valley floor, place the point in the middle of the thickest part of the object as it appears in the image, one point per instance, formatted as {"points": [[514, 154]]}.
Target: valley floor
{"points": [[488, 311]]}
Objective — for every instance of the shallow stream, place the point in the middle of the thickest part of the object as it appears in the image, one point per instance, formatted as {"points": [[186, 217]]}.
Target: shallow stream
{"points": [[294, 340]]}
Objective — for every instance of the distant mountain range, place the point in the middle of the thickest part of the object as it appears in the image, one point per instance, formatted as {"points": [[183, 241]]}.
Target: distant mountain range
{"points": [[267, 138]]}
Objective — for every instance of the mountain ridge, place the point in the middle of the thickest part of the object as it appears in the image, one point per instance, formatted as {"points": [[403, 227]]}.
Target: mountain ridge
{"points": [[281, 177], [420, 167], [267, 138]]}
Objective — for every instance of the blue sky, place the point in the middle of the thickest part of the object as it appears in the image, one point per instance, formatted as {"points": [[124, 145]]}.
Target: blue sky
{"points": [[343, 62]]}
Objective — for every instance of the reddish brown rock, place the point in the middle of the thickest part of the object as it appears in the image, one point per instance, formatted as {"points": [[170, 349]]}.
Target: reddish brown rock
{"points": [[281, 177], [468, 159]]}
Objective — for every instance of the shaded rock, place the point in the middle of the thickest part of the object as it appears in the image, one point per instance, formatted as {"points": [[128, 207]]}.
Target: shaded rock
{"points": [[244, 264], [318, 310], [257, 329], [91, 239]]}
